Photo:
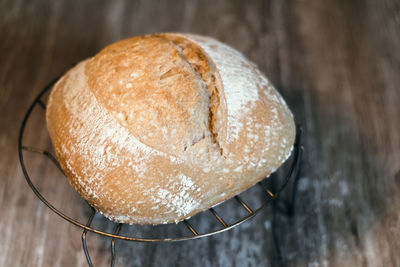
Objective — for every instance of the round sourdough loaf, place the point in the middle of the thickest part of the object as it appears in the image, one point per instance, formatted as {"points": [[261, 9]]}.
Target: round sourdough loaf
{"points": [[156, 128]]}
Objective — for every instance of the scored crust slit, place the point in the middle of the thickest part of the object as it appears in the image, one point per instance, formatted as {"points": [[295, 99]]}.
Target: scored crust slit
{"points": [[156, 128], [205, 69]]}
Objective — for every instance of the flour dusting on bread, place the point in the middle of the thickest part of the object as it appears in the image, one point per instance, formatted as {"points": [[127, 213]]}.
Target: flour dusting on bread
{"points": [[155, 129]]}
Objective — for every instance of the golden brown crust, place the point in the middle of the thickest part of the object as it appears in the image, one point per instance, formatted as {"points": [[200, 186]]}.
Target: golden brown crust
{"points": [[155, 129]]}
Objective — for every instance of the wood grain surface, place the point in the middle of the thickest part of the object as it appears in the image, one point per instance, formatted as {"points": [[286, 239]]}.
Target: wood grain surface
{"points": [[337, 63]]}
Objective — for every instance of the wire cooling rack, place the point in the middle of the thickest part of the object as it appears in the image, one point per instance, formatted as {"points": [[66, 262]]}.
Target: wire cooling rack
{"points": [[270, 194]]}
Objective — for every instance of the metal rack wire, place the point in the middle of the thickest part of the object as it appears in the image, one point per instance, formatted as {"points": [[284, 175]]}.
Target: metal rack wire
{"points": [[294, 170]]}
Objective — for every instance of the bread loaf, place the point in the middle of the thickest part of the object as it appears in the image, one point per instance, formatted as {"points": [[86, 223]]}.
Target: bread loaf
{"points": [[156, 128]]}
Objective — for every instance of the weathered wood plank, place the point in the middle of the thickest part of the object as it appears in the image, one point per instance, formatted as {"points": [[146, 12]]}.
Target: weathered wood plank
{"points": [[336, 62]]}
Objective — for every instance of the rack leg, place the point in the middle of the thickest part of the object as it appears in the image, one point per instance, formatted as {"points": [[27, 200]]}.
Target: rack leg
{"points": [[292, 204], [116, 232], [288, 207], [85, 249]]}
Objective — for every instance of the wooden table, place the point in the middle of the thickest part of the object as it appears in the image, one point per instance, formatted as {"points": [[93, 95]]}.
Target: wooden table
{"points": [[337, 63]]}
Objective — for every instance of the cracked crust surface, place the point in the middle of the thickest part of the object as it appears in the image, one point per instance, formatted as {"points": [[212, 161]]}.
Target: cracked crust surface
{"points": [[157, 128]]}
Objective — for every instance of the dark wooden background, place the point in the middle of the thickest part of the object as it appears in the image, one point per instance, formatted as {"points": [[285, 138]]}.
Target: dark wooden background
{"points": [[336, 62]]}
